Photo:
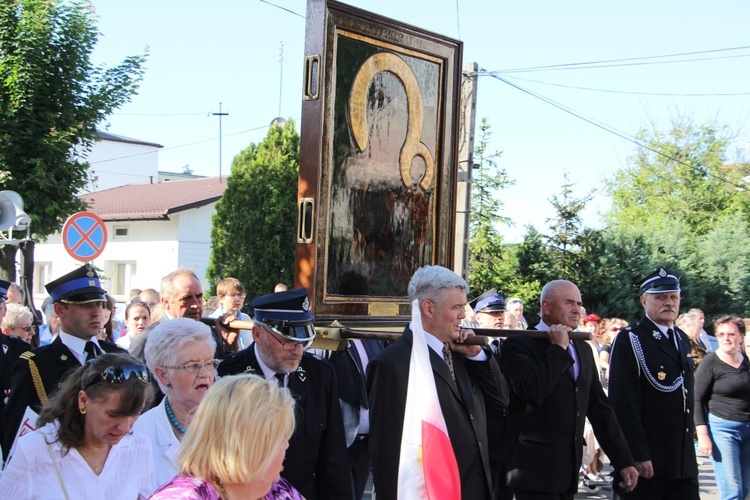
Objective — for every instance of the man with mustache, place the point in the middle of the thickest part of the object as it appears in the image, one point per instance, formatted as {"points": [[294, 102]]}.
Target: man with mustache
{"points": [[651, 390], [316, 462]]}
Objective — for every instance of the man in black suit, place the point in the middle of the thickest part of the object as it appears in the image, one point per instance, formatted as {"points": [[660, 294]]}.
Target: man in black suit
{"points": [[351, 365], [554, 386], [316, 462], [651, 389], [476, 381], [78, 300]]}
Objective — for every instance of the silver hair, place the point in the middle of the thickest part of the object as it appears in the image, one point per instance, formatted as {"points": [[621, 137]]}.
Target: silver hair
{"points": [[168, 339], [15, 315], [513, 300], [429, 282], [167, 282]]}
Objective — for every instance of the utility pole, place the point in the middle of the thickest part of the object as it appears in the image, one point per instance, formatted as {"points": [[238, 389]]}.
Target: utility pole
{"points": [[281, 73], [220, 115], [465, 166]]}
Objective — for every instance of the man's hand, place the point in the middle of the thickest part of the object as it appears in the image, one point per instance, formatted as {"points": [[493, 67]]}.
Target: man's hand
{"points": [[645, 469], [558, 334], [630, 477], [467, 350], [222, 326]]}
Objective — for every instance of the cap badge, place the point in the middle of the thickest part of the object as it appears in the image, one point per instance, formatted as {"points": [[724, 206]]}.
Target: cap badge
{"points": [[662, 272], [306, 304], [656, 334]]}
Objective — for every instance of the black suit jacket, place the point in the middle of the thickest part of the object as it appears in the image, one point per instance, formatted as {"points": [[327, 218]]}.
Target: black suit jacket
{"points": [[476, 382], [53, 361], [548, 408], [658, 425], [316, 462], [351, 381]]}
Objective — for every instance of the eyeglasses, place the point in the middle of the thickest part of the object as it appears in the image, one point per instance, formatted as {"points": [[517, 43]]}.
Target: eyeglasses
{"points": [[236, 295], [196, 366], [120, 374], [288, 345], [24, 328], [726, 334]]}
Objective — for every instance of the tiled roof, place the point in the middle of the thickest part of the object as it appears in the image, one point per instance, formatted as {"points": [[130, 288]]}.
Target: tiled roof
{"points": [[154, 201]]}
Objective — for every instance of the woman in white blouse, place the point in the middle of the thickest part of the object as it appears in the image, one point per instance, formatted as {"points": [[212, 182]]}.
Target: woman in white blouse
{"points": [[180, 354], [84, 447]]}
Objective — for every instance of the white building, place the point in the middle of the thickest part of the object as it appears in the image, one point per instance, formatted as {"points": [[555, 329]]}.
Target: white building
{"points": [[156, 221]]}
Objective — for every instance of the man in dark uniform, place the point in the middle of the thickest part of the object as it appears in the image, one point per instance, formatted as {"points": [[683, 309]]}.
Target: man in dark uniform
{"points": [[11, 348], [489, 312], [554, 388], [78, 298], [316, 462], [651, 390]]}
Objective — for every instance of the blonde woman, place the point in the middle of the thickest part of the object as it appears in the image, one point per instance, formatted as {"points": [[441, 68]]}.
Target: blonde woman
{"points": [[236, 444]]}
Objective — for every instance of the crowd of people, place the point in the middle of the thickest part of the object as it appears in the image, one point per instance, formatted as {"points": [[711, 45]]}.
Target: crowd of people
{"points": [[167, 400]]}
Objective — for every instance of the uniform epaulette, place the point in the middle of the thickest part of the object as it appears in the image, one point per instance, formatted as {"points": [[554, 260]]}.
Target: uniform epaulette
{"points": [[27, 355]]}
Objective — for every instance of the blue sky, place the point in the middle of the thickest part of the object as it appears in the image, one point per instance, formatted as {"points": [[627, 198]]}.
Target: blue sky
{"points": [[203, 53]]}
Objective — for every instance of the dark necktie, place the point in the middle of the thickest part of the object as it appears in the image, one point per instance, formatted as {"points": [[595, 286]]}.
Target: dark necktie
{"points": [[448, 357], [92, 350], [280, 378], [670, 338]]}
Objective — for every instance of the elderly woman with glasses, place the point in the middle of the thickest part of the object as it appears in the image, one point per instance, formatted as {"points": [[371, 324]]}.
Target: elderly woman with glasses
{"points": [[180, 355], [83, 446], [18, 321]]}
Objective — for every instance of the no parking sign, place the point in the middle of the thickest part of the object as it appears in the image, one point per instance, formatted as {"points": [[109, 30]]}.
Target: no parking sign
{"points": [[84, 236]]}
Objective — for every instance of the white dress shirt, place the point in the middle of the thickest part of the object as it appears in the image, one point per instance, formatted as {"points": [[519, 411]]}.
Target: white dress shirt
{"points": [[127, 473], [154, 424]]}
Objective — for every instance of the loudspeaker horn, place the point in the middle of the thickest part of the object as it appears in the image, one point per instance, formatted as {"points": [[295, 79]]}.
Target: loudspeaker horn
{"points": [[11, 211]]}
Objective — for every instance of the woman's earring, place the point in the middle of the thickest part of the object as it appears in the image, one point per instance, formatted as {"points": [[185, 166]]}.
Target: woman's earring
{"points": [[83, 410]]}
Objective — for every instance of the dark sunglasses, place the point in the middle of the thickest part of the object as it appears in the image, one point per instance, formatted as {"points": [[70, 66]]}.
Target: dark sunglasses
{"points": [[120, 374]]}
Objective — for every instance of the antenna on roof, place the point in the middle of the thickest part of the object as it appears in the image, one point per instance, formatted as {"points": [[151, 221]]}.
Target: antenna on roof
{"points": [[220, 115]]}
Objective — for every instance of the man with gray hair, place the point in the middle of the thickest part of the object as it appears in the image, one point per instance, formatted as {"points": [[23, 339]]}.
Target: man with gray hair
{"points": [[466, 379], [515, 305]]}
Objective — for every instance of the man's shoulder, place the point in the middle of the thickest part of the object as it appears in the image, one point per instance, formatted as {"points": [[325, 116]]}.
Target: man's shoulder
{"points": [[312, 362], [243, 361], [111, 347]]}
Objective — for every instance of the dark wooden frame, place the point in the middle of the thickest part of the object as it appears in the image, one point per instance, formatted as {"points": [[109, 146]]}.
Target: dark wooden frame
{"points": [[328, 24]]}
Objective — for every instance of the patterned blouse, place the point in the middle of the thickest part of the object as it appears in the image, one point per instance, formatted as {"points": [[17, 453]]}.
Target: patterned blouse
{"points": [[193, 488]]}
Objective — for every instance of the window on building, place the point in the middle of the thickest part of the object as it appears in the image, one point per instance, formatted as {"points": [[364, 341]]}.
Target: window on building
{"points": [[121, 232], [123, 277], [42, 275]]}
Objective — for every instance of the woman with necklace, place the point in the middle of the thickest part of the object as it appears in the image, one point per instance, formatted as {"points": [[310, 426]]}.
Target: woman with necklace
{"points": [[236, 444], [83, 447], [180, 355], [722, 409]]}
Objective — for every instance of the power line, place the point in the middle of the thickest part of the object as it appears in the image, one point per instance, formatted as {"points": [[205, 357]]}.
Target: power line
{"points": [[160, 114], [663, 94], [282, 8], [176, 147], [612, 130], [608, 61]]}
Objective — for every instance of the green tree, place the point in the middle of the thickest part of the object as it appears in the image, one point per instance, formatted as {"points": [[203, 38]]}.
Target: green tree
{"points": [[487, 259], [51, 99], [567, 232], [253, 231], [679, 203]]}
